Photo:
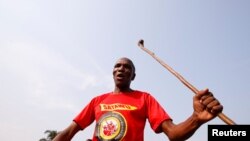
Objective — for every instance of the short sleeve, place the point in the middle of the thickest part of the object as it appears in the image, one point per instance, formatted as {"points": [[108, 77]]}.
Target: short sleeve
{"points": [[156, 114], [86, 116]]}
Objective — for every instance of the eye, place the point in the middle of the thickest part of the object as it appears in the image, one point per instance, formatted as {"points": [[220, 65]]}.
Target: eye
{"points": [[128, 66], [117, 65]]}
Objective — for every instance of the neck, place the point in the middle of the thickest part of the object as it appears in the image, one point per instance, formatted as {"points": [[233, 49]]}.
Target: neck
{"points": [[119, 90]]}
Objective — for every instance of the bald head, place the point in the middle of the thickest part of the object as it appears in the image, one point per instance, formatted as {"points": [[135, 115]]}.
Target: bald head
{"points": [[128, 60]]}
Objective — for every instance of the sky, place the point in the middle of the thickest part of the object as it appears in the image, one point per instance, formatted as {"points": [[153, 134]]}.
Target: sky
{"points": [[56, 55]]}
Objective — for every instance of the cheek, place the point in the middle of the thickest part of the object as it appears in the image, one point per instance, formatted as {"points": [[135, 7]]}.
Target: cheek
{"points": [[113, 72]]}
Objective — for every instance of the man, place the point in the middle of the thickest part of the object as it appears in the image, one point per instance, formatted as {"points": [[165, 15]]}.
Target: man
{"points": [[121, 115]]}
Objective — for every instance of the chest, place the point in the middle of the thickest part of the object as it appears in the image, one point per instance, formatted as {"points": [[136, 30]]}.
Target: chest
{"points": [[129, 106]]}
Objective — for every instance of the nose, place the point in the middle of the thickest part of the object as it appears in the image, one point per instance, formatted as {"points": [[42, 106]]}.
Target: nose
{"points": [[121, 68]]}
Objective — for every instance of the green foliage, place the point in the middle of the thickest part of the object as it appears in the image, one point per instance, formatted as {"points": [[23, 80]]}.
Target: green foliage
{"points": [[51, 134]]}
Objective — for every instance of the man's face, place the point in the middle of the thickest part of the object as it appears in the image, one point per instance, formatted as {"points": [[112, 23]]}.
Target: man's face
{"points": [[123, 72]]}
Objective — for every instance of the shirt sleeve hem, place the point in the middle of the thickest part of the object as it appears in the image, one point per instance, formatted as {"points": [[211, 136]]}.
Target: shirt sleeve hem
{"points": [[157, 128]]}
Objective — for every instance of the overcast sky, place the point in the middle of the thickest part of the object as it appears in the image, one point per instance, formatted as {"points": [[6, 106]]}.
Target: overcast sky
{"points": [[56, 55]]}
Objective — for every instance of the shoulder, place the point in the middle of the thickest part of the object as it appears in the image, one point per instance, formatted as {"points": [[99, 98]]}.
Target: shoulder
{"points": [[100, 97], [147, 96], [140, 92], [103, 95], [143, 93]]}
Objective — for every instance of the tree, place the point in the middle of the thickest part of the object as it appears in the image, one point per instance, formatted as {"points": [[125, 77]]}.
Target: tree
{"points": [[51, 134]]}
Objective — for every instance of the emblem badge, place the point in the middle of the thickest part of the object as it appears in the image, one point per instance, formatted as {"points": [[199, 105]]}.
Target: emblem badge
{"points": [[111, 127]]}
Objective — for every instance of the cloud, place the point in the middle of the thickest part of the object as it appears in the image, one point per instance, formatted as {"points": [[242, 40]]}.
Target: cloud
{"points": [[39, 83], [44, 75]]}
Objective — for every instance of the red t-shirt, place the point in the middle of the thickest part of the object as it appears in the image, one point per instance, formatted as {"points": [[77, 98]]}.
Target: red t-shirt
{"points": [[122, 116]]}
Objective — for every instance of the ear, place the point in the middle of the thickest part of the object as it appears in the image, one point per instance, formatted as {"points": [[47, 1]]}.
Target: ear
{"points": [[133, 77]]}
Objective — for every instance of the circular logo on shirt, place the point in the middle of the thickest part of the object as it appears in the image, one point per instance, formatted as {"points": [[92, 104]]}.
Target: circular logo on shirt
{"points": [[111, 127]]}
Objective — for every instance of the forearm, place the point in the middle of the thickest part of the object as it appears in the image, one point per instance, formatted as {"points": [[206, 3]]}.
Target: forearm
{"points": [[68, 133], [181, 131], [62, 136]]}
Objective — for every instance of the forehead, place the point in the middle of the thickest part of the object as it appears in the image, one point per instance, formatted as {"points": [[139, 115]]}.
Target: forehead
{"points": [[124, 61]]}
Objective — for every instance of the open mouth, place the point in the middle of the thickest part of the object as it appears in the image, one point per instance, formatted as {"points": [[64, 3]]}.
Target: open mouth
{"points": [[120, 76]]}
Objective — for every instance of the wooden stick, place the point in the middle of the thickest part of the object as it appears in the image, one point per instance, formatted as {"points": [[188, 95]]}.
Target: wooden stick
{"points": [[223, 117]]}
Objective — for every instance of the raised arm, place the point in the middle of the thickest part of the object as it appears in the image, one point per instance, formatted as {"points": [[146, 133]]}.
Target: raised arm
{"points": [[206, 107]]}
